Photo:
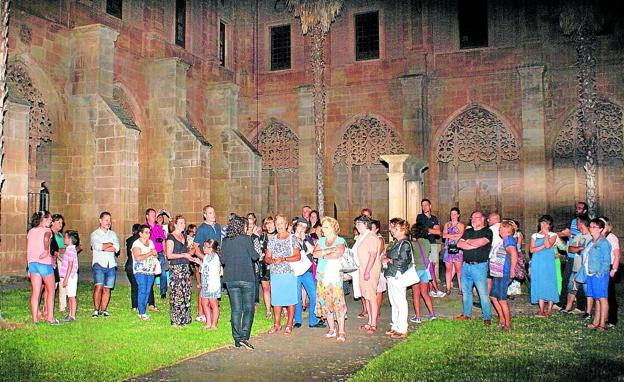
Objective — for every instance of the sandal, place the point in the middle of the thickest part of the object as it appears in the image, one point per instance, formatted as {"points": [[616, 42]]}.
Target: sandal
{"points": [[591, 326], [288, 330], [341, 337], [365, 327], [268, 315], [331, 333], [390, 332], [372, 330], [275, 329], [363, 315]]}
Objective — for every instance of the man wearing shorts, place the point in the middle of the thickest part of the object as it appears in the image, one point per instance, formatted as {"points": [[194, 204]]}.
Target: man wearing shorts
{"points": [[433, 228], [104, 243]]}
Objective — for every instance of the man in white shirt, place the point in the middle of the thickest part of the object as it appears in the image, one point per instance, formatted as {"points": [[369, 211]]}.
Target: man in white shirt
{"points": [[104, 244]]}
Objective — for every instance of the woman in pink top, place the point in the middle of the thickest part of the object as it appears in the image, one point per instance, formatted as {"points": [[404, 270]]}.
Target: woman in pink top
{"points": [[40, 269]]}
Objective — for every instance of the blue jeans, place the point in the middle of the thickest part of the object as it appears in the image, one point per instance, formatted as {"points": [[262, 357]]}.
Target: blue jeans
{"points": [[163, 275], [144, 283], [476, 275], [242, 295], [307, 280]]}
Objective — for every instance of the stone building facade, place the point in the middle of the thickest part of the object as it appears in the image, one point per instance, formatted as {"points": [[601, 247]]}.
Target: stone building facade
{"points": [[124, 105]]}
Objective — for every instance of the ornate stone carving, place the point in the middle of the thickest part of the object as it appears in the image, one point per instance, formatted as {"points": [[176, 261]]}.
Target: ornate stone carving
{"points": [[40, 124], [365, 140], [25, 34], [477, 135], [571, 144], [279, 147]]}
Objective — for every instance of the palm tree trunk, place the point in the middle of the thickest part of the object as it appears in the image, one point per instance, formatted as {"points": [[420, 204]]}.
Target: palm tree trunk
{"points": [[586, 112], [319, 95]]}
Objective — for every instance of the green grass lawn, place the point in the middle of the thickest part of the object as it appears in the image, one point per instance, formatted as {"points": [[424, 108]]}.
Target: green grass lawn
{"points": [[559, 348], [103, 349]]}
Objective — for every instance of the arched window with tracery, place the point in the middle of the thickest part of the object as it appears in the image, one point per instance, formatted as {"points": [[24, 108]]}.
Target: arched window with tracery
{"points": [[568, 150], [478, 164], [359, 177], [279, 147]]}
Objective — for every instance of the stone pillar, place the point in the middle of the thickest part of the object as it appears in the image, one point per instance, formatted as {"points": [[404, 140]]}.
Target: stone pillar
{"points": [[413, 107], [222, 117], [307, 146], [14, 199], [93, 52], [533, 141], [405, 186]]}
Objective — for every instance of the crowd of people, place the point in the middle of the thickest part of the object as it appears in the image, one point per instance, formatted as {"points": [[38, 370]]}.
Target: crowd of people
{"points": [[305, 264]]}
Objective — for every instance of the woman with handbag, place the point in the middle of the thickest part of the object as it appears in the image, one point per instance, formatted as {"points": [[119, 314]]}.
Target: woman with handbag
{"points": [[282, 250], [330, 301], [400, 274], [543, 273], [145, 265], [453, 256], [420, 248]]}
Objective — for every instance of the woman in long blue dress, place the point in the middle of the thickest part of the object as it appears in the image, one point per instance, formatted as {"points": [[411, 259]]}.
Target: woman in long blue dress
{"points": [[543, 272]]}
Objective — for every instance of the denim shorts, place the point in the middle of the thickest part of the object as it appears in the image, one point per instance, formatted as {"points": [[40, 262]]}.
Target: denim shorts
{"points": [[598, 286], [424, 275], [44, 270], [104, 276], [499, 287]]}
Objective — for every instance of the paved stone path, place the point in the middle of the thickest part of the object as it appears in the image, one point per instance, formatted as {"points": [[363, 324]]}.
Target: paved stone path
{"points": [[306, 355]]}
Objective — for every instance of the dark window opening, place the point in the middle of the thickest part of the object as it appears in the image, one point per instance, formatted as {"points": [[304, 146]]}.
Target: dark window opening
{"points": [[180, 23], [280, 47], [113, 8], [222, 43], [473, 23], [367, 36]]}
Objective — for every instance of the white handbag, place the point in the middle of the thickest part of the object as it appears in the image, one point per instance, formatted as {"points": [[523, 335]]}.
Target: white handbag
{"points": [[409, 278], [300, 267]]}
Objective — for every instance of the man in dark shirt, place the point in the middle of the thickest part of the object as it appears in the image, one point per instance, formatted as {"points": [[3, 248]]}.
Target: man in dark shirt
{"points": [[476, 244], [433, 228]]}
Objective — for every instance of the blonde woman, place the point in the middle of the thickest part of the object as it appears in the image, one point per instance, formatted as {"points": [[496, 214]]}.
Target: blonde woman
{"points": [[330, 301]]}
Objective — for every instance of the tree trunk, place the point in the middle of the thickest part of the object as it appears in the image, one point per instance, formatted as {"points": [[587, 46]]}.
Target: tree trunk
{"points": [[318, 72], [4, 53], [586, 112]]}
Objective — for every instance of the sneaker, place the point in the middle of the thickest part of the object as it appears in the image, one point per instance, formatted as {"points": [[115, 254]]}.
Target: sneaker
{"points": [[297, 325], [432, 317], [246, 345], [320, 324], [238, 345], [95, 314], [587, 317], [432, 294], [565, 311], [105, 313], [200, 318], [440, 294], [416, 320]]}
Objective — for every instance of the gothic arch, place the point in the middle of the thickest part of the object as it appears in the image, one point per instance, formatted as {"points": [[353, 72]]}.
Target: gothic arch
{"points": [[477, 158], [363, 139], [128, 101], [279, 147]]}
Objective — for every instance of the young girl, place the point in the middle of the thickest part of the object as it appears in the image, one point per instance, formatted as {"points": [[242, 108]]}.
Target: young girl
{"points": [[191, 231], [69, 272], [501, 284], [210, 283]]}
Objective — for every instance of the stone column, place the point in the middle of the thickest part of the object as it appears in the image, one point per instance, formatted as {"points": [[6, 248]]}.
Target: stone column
{"points": [[14, 201], [533, 141], [307, 145], [93, 49], [222, 117], [413, 107], [405, 185]]}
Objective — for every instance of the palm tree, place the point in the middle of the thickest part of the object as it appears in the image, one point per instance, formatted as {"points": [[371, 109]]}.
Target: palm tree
{"points": [[316, 17], [579, 22], [4, 53]]}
